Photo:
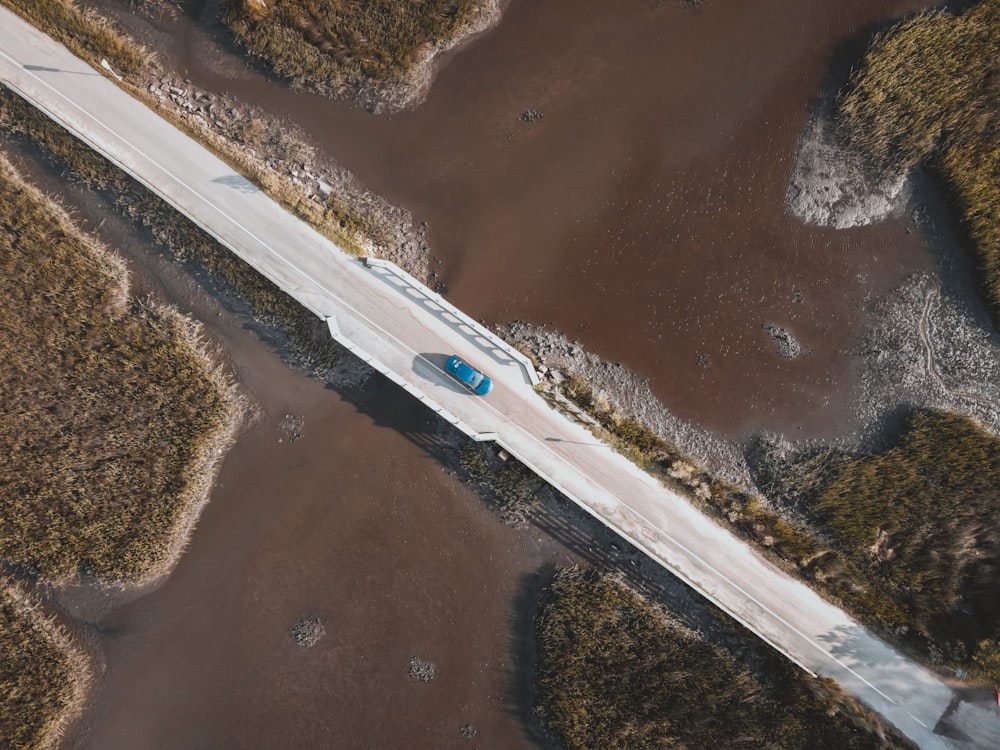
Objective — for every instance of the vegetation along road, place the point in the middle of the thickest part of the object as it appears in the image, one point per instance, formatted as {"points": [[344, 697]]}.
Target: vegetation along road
{"points": [[407, 333]]}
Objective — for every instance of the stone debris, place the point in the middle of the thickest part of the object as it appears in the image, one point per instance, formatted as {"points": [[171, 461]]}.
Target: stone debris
{"points": [[284, 149], [422, 671], [788, 347], [307, 631], [291, 427], [831, 185]]}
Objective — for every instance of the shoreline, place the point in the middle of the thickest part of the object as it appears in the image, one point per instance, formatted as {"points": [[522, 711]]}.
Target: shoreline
{"points": [[78, 664], [392, 97], [200, 471]]}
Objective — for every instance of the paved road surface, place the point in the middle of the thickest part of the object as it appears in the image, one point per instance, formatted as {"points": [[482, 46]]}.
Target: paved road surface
{"points": [[408, 335]]}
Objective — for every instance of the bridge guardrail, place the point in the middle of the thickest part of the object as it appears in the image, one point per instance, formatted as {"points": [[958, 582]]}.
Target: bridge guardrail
{"points": [[526, 364]]}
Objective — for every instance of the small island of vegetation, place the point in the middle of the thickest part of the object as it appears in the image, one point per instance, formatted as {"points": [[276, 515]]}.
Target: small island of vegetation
{"points": [[116, 415], [115, 412]]}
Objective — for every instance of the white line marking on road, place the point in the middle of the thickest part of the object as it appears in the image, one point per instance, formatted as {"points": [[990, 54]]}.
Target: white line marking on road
{"points": [[917, 720]]}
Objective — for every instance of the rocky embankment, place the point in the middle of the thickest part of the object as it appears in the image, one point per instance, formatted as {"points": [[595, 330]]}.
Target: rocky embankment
{"points": [[282, 148], [629, 394]]}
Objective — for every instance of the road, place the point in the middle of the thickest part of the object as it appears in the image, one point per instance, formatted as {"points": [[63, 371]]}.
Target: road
{"points": [[405, 333]]}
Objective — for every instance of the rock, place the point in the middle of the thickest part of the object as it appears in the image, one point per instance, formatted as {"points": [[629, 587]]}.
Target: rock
{"points": [[422, 671], [788, 347], [307, 631]]}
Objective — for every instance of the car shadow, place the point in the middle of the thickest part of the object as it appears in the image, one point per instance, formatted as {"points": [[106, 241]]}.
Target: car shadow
{"points": [[430, 366], [431, 301]]}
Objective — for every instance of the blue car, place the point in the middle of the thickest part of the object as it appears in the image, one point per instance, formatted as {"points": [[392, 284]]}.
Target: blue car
{"points": [[468, 376]]}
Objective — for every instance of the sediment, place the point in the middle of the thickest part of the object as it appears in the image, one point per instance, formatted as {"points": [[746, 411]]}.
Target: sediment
{"points": [[831, 184]]}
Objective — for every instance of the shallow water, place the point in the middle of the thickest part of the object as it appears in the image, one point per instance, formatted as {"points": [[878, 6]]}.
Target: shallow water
{"points": [[643, 213], [355, 522]]}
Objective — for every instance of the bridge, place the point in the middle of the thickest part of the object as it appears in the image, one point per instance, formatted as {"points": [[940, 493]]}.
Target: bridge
{"points": [[406, 331]]}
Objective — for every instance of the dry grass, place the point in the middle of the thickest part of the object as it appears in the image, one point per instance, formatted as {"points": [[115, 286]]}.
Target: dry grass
{"points": [[923, 520], [43, 677], [114, 413], [616, 673], [85, 33], [343, 45], [929, 89], [309, 339]]}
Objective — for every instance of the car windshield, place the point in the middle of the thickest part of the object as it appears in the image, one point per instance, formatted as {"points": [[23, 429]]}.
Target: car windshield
{"points": [[475, 379]]}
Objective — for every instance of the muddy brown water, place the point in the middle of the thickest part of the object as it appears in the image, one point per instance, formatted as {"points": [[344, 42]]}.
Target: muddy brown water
{"points": [[642, 213], [356, 522], [352, 523]]}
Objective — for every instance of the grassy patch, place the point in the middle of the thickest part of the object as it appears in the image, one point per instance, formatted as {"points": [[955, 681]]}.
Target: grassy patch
{"points": [[307, 335], [929, 89], [508, 484], [42, 677], [615, 672], [922, 520], [337, 45], [113, 411]]}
